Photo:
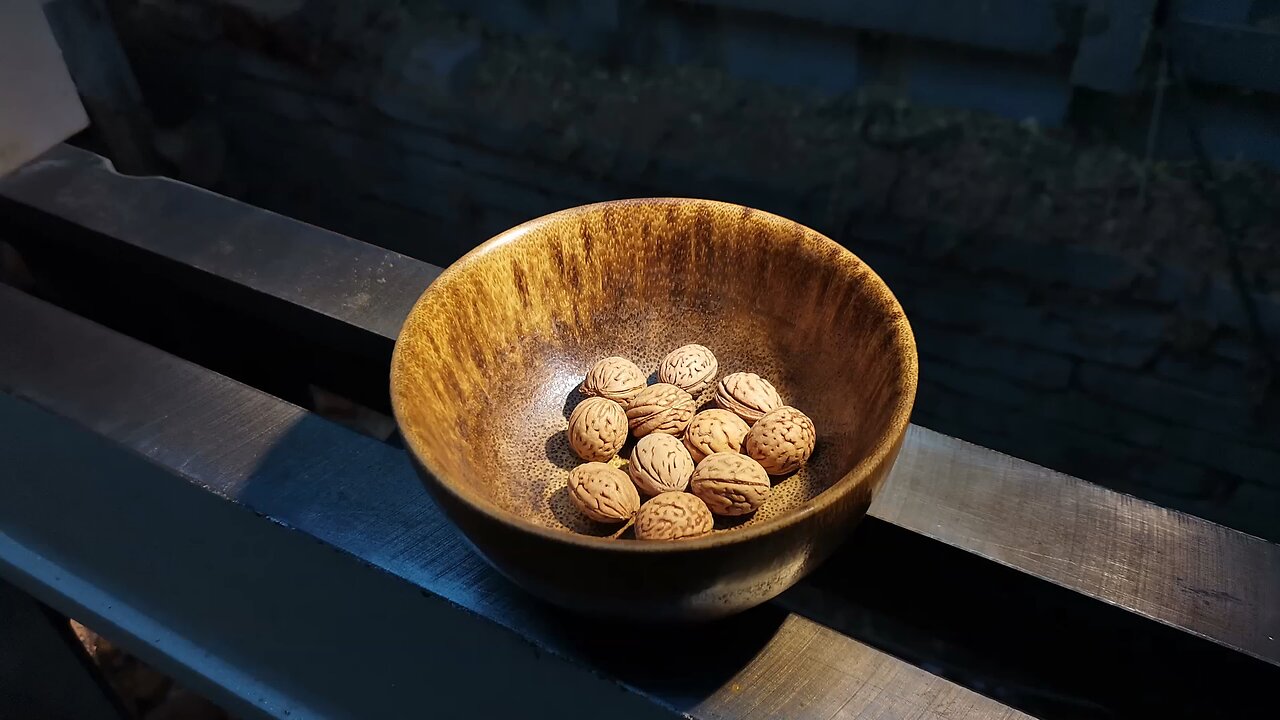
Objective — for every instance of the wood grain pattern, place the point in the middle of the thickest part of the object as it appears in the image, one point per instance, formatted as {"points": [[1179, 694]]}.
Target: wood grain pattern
{"points": [[942, 487], [487, 361], [316, 481], [1175, 568]]}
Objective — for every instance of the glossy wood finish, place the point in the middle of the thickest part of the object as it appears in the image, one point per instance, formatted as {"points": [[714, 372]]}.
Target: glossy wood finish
{"points": [[941, 487], [263, 522], [227, 445], [487, 364]]}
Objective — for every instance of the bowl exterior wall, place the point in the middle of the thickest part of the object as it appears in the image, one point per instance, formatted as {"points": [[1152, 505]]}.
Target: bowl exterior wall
{"points": [[702, 584]]}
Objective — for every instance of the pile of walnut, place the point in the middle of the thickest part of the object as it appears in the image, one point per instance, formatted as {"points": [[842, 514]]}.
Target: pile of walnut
{"points": [[722, 456]]}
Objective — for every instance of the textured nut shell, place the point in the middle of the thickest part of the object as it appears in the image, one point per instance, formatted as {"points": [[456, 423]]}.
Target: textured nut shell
{"points": [[730, 484], [713, 431], [603, 493], [615, 378], [691, 368], [597, 429], [660, 463], [662, 408], [747, 395], [782, 441], [673, 516]]}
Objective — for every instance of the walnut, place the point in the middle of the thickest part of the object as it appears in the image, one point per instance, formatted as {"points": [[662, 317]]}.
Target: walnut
{"points": [[660, 463], [747, 395], [691, 368], [713, 431], [615, 378], [662, 408], [730, 484], [673, 516], [782, 440], [603, 493], [597, 429]]}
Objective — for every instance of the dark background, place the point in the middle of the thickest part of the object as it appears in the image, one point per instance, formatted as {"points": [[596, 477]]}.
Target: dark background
{"points": [[1076, 201]]}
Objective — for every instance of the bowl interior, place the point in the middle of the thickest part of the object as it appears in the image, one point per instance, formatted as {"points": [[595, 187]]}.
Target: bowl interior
{"points": [[487, 366]]}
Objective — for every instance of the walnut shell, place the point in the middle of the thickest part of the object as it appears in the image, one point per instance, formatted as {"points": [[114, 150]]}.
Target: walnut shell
{"points": [[782, 440], [603, 493], [615, 378], [747, 395], [673, 516], [730, 484], [662, 408], [713, 431], [597, 429], [660, 463], [691, 368]]}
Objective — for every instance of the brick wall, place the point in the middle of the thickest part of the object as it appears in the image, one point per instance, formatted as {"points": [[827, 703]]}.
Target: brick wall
{"points": [[1068, 311]]}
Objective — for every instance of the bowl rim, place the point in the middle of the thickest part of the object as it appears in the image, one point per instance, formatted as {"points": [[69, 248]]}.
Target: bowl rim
{"points": [[885, 445]]}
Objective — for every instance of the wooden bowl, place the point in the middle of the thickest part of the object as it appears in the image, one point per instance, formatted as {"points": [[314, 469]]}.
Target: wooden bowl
{"points": [[487, 366]]}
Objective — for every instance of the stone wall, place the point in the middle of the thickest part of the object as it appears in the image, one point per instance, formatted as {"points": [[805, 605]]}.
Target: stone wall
{"points": [[1071, 308]]}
